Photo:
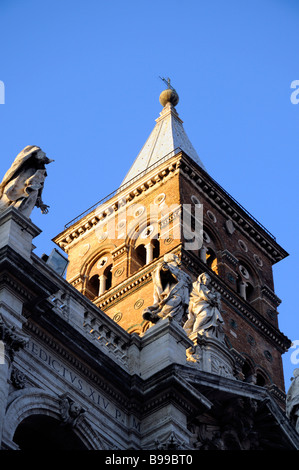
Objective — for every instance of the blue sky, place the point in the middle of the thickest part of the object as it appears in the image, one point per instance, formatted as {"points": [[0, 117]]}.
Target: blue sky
{"points": [[82, 82]]}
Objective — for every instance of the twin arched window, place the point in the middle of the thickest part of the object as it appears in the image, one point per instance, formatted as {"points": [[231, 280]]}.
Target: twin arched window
{"points": [[253, 375], [99, 283], [146, 253], [100, 277], [246, 282], [145, 250]]}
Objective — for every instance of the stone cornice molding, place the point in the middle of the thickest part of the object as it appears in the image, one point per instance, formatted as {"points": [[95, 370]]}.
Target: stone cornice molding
{"points": [[277, 393], [15, 286], [226, 255], [71, 358], [119, 251], [24, 276], [89, 307], [220, 199], [211, 190], [170, 386], [146, 184], [270, 294]]}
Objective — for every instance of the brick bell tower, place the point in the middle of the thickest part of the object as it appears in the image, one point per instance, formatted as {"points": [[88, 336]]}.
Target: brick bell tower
{"points": [[114, 247]]}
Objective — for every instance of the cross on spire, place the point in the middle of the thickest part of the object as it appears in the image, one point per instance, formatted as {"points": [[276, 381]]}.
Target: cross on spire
{"points": [[167, 81]]}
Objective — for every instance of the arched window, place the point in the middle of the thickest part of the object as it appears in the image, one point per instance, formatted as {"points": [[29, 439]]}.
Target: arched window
{"points": [[212, 260], [108, 276], [141, 254], [246, 282], [248, 372], [146, 253], [156, 251], [93, 286], [249, 291], [40, 432], [207, 253], [260, 379], [146, 249], [99, 279]]}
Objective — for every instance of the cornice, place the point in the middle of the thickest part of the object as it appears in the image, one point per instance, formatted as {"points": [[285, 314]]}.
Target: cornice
{"points": [[212, 191], [229, 207], [133, 193], [11, 282], [168, 385], [90, 371], [271, 295], [23, 275]]}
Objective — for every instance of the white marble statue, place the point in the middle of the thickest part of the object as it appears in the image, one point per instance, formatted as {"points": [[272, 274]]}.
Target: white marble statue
{"points": [[23, 183], [204, 314], [172, 288], [292, 401]]}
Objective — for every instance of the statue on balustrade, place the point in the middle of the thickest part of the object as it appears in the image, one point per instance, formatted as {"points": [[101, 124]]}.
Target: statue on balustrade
{"points": [[23, 183], [292, 401], [172, 287], [204, 313]]}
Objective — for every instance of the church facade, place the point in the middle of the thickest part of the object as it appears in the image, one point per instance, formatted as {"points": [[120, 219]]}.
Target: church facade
{"points": [[163, 335]]}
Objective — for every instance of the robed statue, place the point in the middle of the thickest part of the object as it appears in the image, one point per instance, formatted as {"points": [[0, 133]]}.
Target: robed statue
{"points": [[23, 183], [292, 401], [172, 288], [204, 313]]}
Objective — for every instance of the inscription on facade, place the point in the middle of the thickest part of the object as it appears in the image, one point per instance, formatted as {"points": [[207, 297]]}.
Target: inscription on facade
{"points": [[78, 383]]}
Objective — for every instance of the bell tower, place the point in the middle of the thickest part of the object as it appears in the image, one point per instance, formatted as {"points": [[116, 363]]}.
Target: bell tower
{"points": [[169, 204]]}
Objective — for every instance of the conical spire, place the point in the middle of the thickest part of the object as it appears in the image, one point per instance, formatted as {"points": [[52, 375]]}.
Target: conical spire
{"points": [[167, 138]]}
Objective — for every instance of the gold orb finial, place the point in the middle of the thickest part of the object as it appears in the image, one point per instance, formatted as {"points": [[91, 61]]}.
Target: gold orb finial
{"points": [[169, 95]]}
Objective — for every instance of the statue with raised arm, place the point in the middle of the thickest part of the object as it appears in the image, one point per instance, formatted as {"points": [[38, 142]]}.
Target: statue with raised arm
{"points": [[23, 183], [172, 288], [292, 401], [204, 314]]}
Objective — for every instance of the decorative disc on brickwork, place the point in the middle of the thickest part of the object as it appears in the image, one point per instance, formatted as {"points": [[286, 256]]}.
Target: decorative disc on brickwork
{"points": [[242, 245], [211, 216], [121, 224], [139, 211], [244, 271], [159, 199], [102, 237], [147, 231], [138, 304], [195, 199], [258, 260], [117, 317], [119, 272]]}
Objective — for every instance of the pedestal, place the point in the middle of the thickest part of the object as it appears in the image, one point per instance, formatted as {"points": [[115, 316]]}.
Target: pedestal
{"points": [[17, 232], [163, 344], [210, 354]]}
